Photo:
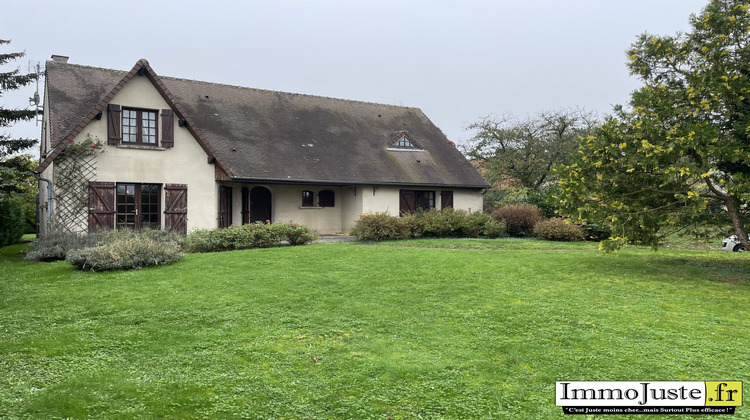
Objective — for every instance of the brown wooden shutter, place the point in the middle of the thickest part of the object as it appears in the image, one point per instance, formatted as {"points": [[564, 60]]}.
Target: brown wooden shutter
{"points": [[406, 202], [446, 199], [225, 206], [175, 208], [167, 128], [101, 206], [114, 130]]}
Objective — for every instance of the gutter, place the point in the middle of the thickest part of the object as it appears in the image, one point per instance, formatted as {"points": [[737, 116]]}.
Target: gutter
{"points": [[343, 183], [50, 203]]}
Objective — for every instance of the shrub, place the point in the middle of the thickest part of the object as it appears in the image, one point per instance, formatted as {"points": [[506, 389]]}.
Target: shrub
{"points": [[519, 218], [439, 223], [126, 250], [300, 235], [12, 222], [448, 222], [56, 245], [493, 228], [253, 235], [381, 226], [558, 230]]}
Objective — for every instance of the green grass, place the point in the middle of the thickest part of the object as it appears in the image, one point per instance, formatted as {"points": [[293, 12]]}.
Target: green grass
{"points": [[359, 331]]}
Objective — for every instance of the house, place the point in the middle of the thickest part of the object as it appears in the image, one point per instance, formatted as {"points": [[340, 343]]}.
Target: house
{"points": [[132, 149]]}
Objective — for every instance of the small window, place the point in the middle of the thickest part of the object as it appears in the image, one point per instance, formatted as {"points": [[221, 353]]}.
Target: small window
{"points": [[308, 199], [326, 198], [402, 140], [139, 126]]}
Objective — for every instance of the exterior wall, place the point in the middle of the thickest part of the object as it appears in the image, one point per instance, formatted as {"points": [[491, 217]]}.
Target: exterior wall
{"points": [[185, 163], [379, 199], [465, 199], [287, 207], [351, 206], [386, 199]]}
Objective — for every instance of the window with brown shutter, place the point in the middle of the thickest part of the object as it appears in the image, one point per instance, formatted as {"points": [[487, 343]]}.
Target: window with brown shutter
{"points": [[411, 201], [139, 126]]}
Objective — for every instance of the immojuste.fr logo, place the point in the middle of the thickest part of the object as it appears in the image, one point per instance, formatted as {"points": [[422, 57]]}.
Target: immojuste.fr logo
{"points": [[648, 397]]}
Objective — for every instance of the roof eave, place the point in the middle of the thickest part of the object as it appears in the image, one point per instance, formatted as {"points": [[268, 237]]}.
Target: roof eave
{"points": [[287, 181]]}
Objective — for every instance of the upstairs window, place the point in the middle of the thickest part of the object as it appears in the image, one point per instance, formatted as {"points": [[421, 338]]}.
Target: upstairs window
{"points": [[139, 126], [403, 141]]}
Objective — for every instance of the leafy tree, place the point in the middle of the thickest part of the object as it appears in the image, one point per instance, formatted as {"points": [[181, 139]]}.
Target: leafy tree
{"points": [[12, 80], [522, 152], [682, 150], [21, 181], [17, 184]]}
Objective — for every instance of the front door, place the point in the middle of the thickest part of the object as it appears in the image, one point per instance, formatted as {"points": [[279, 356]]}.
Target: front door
{"points": [[260, 204]]}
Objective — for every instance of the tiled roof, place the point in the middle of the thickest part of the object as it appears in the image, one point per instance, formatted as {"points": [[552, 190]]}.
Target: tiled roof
{"points": [[267, 136]]}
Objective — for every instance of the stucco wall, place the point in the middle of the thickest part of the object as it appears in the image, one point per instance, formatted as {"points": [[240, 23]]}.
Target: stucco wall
{"points": [[185, 163]]}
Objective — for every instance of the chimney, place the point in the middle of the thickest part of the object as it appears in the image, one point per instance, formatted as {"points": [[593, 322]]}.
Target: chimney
{"points": [[60, 58]]}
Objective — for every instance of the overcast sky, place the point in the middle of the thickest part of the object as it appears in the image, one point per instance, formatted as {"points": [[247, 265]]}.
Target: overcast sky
{"points": [[456, 60]]}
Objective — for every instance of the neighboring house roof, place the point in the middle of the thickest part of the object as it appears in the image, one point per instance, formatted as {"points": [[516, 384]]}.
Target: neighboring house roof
{"points": [[265, 136]]}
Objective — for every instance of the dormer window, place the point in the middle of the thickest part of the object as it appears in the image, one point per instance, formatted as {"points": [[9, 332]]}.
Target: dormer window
{"points": [[403, 141], [139, 126]]}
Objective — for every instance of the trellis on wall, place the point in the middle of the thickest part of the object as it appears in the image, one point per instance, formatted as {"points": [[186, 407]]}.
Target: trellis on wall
{"points": [[74, 168]]}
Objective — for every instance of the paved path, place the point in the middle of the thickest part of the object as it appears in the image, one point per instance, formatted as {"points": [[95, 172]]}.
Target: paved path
{"points": [[328, 239]]}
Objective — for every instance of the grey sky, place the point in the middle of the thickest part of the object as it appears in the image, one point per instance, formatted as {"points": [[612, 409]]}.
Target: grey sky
{"points": [[456, 60]]}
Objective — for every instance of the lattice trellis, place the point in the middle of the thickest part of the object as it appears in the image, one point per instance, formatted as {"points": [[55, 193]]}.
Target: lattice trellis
{"points": [[74, 169]]}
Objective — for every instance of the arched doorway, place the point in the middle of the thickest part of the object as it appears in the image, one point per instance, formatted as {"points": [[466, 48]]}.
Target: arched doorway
{"points": [[260, 204]]}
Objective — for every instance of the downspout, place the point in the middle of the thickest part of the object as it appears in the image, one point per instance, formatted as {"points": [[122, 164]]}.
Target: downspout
{"points": [[50, 203]]}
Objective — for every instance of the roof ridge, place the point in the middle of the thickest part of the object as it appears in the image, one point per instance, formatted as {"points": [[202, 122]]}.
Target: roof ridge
{"points": [[88, 67], [284, 92], [184, 79]]}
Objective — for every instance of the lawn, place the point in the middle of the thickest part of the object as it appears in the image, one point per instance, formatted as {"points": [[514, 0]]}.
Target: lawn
{"points": [[415, 329]]}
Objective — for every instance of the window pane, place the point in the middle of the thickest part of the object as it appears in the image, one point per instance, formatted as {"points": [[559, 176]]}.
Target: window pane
{"points": [[307, 198]]}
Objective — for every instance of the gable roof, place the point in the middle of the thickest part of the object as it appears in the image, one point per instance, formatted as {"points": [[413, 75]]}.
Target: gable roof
{"points": [[266, 136]]}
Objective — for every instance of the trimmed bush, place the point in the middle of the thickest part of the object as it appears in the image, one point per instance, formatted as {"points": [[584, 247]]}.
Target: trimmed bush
{"points": [[381, 226], [558, 230], [56, 245], [519, 218], [126, 250], [447, 223], [300, 235], [253, 235], [493, 228], [12, 222]]}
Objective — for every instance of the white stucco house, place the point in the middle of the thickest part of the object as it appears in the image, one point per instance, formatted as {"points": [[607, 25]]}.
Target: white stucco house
{"points": [[181, 155]]}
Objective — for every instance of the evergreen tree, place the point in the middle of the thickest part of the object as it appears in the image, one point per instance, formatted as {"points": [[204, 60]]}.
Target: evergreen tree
{"points": [[12, 80]]}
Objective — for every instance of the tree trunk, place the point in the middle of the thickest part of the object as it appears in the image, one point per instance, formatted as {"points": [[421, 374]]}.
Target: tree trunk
{"points": [[734, 216]]}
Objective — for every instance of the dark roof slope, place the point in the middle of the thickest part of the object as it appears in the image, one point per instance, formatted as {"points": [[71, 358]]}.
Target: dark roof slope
{"points": [[268, 136]]}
